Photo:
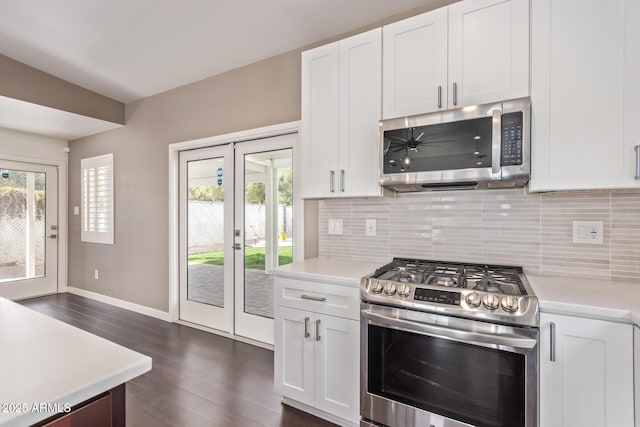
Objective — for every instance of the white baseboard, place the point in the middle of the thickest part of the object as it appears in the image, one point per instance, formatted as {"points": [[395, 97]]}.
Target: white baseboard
{"points": [[227, 335], [147, 311]]}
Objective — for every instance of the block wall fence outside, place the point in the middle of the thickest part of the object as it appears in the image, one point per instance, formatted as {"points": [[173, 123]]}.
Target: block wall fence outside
{"points": [[532, 230]]}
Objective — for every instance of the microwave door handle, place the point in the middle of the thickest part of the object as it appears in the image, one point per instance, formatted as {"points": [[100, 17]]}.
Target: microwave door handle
{"points": [[496, 141], [459, 335]]}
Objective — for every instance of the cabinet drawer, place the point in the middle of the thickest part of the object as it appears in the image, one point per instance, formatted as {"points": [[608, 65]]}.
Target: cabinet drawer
{"points": [[324, 298]]}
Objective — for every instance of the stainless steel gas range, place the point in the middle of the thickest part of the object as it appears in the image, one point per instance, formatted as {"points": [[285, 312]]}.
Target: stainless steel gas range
{"points": [[448, 345]]}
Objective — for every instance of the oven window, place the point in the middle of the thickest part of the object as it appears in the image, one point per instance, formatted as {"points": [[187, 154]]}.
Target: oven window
{"points": [[464, 144], [464, 382]]}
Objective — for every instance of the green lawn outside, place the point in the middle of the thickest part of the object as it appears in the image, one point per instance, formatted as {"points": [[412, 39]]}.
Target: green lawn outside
{"points": [[253, 257]]}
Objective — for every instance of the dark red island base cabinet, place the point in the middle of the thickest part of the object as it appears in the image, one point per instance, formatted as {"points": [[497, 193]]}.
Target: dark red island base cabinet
{"points": [[104, 410]]}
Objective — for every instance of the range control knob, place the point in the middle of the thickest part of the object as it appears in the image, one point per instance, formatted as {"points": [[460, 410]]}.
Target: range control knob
{"points": [[390, 289], [491, 301], [474, 299], [404, 290], [509, 304], [376, 286]]}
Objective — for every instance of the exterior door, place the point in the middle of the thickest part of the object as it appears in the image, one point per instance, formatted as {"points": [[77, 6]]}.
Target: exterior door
{"points": [[236, 223], [206, 236], [28, 229], [263, 229]]}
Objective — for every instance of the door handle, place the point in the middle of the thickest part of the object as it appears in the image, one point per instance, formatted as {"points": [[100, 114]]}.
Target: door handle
{"points": [[455, 93], [342, 180], [306, 327], [237, 246], [439, 96], [638, 162], [318, 330], [332, 176], [552, 343]]}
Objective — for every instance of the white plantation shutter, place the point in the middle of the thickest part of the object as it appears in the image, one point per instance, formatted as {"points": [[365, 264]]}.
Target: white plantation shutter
{"points": [[97, 199]]}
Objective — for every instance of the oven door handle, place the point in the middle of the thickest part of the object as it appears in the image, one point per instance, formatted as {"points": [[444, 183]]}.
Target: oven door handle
{"points": [[510, 340]]}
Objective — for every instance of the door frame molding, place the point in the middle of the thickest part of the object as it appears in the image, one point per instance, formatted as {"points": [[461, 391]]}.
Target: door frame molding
{"points": [[63, 185], [174, 197]]}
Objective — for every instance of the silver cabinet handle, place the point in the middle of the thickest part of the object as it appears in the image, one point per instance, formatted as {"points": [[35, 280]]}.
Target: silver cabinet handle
{"points": [[637, 161], [342, 180], [306, 327], [318, 330], [439, 96], [311, 297], [53, 236], [552, 344], [455, 93], [332, 176]]}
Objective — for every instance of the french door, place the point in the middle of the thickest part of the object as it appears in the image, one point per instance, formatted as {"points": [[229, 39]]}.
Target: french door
{"points": [[236, 223], [28, 229]]}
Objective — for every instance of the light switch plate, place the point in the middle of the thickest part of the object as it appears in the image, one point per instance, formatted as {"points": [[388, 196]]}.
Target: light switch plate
{"points": [[370, 227], [335, 226], [589, 232], [76, 210]]}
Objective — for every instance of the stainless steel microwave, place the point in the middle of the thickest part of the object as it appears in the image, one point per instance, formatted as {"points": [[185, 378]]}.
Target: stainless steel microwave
{"points": [[482, 146]]}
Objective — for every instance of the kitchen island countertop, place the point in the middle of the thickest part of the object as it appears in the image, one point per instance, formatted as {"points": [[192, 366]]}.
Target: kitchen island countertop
{"points": [[47, 362]]}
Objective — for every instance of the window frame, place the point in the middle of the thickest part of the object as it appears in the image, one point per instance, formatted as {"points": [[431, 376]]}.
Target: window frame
{"points": [[97, 236]]}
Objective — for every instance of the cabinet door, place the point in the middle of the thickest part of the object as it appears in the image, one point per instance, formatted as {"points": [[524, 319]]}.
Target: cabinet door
{"points": [[585, 94], [488, 51], [360, 103], [415, 65], [338, 366], [319, 131], [590, 382], [293, 354]]}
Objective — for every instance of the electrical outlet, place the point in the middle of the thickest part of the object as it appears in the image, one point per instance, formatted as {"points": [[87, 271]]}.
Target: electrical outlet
{"points": [[589, 232], [335, 226], [370, 227], [96, 274]]}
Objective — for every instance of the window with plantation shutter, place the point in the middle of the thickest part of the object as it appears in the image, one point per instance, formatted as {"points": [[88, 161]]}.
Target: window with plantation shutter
{"points": [[97, 199]]}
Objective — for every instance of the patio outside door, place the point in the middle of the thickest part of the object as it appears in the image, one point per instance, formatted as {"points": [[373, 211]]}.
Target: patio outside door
{"points": [[28, 229], [236, 224]]}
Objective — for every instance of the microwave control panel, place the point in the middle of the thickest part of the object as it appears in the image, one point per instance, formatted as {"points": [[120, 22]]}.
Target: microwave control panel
{"points": [[512, 139]]}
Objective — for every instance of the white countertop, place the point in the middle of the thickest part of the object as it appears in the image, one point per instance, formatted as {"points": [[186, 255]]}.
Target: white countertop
{"points": [[604, 299], [44, 360], [332, 270]]}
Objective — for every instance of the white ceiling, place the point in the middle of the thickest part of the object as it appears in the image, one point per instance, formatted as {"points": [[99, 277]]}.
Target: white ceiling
{"points": [[131, 49]]}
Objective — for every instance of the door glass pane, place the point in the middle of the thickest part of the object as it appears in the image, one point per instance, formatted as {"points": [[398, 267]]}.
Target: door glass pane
{"points": [[205, 231], [22, 224], [268, 225]]}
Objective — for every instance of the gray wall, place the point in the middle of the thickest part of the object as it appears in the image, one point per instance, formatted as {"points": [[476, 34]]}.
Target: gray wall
{"points": [[135, 269]]}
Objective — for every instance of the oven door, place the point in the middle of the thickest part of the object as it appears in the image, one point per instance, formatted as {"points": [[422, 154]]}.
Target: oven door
{"points": [[422, 369]]}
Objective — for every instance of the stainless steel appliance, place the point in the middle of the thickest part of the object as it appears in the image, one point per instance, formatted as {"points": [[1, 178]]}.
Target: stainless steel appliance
{"points": [[448, 345], [484, 146]]}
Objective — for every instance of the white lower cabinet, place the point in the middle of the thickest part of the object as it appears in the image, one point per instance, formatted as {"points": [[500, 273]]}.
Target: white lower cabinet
{"points": [[317, 355], [586, 372]]}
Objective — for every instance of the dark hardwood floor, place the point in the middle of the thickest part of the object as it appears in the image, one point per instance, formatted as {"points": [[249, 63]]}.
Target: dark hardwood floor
{"points": [[198, 379]]}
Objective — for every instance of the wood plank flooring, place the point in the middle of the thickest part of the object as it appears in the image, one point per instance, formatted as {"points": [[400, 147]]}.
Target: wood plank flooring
{"points": [[198, 379]]}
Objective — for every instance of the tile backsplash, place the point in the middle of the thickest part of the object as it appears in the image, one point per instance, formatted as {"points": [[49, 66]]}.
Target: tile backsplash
{"points": [[534, 230]]}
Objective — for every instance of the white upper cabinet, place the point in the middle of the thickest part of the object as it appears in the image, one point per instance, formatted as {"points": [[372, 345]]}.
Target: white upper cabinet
{"points": [[341, 104], [472, 52], [319, 109], [488, 51], [414, 69], [585, 94]]}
